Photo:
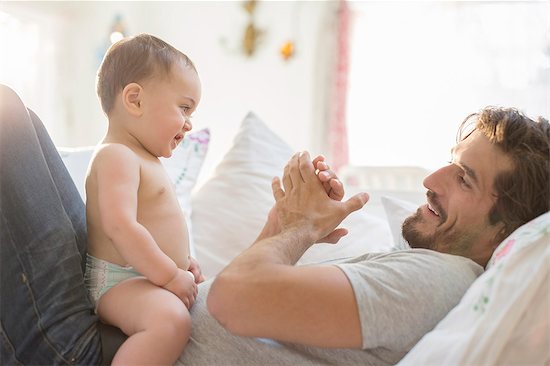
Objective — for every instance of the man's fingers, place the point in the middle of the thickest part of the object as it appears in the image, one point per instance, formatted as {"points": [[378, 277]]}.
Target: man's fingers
{"points": [[356, 202], [276, 188], [335, 236], [295, 168], [287, 180], [307, 170]]}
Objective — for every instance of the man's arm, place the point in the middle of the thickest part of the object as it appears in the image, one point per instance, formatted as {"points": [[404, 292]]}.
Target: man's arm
{"points": [[262, 294]]}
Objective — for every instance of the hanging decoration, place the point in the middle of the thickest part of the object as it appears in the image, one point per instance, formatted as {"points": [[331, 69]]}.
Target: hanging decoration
{"points": [[288, 48], [252, 34]]}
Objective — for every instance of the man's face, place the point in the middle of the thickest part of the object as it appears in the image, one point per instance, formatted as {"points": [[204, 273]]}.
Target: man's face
{"points": [[460, 196]]}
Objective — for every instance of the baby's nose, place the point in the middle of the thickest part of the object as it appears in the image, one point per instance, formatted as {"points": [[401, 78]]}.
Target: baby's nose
{"points": [[188, 126]]}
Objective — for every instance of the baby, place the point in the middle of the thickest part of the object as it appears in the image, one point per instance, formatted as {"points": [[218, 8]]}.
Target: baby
{"points": [[139, 272]]}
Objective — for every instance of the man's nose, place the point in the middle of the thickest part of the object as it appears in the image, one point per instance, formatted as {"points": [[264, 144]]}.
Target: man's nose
{"points": [[438, 180]]}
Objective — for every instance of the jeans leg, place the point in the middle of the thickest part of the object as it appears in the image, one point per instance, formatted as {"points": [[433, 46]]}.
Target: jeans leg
{"points": [[46, 316], [70, 198]]}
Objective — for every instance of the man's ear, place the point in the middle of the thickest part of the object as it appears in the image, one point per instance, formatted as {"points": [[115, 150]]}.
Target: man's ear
{"points": [[131, 99]]}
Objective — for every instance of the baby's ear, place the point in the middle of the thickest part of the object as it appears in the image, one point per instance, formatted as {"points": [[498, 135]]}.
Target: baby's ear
{"points": [[131, 99]]}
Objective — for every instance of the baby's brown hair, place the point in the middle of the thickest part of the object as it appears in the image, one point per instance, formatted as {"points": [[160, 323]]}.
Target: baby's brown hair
{"points": [[131, 60]]}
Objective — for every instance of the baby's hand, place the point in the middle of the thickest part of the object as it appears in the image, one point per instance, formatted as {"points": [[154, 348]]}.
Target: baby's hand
{"points": [[334, 189], [195, 269], [333, 186], [183, 286]]}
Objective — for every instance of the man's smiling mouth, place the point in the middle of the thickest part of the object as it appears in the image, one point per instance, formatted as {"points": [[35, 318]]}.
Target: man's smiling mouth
{"points": [[432, 209]]}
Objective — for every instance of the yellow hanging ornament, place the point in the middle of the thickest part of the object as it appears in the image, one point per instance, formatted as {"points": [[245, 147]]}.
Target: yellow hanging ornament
{"points": [[287, 50]]}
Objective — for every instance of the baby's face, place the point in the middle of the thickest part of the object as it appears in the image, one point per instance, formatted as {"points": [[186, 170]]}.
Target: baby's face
{"points": [[169, 103]]}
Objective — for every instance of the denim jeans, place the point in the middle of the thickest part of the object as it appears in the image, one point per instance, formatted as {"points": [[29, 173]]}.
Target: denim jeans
{"points": [[46, 316]]}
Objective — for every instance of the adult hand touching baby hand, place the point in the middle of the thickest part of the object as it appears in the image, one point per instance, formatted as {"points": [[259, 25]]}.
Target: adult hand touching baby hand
{"points": [[303, 204], [334, 189]]}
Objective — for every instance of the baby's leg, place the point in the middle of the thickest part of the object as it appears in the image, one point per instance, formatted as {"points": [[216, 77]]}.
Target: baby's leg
{"points": [[157, 322]]}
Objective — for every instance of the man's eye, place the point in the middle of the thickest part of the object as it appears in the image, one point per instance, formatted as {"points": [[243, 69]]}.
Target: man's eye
{"points": [[463, 181]]}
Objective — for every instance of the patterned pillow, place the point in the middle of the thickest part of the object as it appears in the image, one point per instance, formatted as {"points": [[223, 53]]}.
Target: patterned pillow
{"points": [[503, 317]]}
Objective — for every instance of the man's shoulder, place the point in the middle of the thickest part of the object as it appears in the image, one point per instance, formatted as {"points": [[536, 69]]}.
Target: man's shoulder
{"points": [[417, 260], [413, 254]]}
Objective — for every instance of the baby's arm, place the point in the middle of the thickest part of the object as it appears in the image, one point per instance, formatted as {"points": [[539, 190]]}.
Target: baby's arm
{"points": [[116, 170]]}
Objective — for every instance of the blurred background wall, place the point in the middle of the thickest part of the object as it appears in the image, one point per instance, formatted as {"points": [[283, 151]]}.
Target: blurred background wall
{"points": [[406, 72]]}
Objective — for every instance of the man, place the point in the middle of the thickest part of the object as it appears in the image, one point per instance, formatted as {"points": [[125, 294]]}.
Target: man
{"points": [[497, 180], [46, 317]]}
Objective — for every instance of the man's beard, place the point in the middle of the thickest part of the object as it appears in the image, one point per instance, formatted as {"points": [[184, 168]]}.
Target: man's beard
{"points": [[414, 237], [451, 240]]}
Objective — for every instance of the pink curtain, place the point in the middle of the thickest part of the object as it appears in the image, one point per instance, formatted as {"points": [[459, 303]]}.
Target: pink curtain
{"points": [[337, 131]]}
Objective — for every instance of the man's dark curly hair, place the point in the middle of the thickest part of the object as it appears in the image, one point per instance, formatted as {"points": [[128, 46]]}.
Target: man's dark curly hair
{"points": [[523, 193]]}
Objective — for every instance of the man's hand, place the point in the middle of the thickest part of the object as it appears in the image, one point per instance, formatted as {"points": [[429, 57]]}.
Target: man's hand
{"points": [[262, 293], [303, 204], [334, 189], [183, 286]]}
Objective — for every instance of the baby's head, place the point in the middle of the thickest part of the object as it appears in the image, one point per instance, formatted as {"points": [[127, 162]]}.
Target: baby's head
{"points": [[133, 60], [148, 90]]}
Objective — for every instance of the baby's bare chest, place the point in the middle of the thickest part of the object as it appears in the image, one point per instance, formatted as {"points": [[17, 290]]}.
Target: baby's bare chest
{"points": [[155, 187]]}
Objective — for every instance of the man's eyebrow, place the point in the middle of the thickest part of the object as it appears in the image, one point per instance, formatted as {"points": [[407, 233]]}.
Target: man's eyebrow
{"points": [[469, 171]]}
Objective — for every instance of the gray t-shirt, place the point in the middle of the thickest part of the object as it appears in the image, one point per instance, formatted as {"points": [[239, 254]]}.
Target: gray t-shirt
{"points": [[400, 295]]}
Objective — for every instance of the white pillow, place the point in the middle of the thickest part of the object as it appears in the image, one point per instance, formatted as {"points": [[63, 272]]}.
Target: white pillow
{"points": [[397, 211], [367, 234], [76, 160], [230, 209], [183, 167], [503, 317]]}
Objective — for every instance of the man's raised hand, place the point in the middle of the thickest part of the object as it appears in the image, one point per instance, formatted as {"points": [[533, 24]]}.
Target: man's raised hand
{"points": [[302, 202]]}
